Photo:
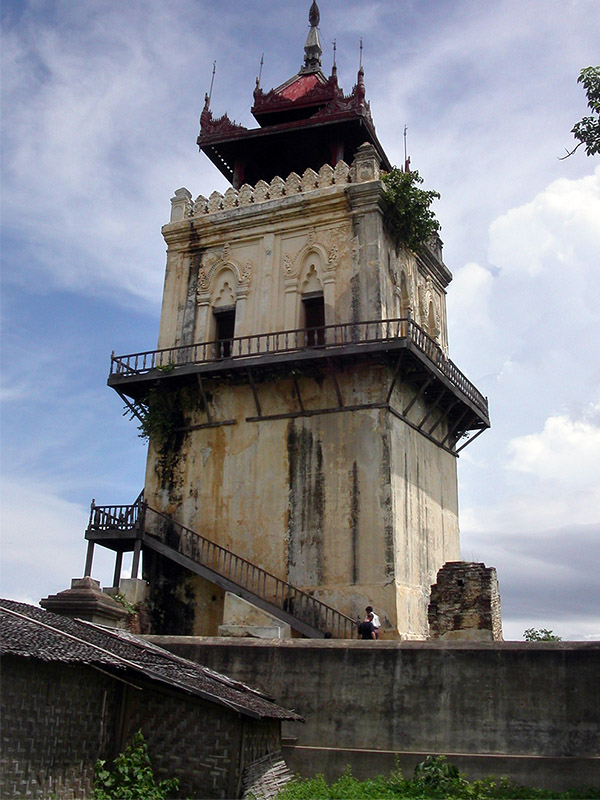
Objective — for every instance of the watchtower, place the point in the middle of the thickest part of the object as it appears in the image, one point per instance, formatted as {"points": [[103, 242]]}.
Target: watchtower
{"points": [[303, 414]]}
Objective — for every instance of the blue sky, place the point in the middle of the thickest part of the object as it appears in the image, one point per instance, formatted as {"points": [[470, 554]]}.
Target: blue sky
{"points": [[101, 101]]}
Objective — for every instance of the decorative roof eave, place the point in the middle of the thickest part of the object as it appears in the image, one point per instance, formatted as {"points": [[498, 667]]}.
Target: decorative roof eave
{"points": [[339, 110], [270, 102], [225, 131]]}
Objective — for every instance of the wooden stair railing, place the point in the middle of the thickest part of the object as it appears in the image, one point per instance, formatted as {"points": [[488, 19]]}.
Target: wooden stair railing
{"points": [[235, 574]]}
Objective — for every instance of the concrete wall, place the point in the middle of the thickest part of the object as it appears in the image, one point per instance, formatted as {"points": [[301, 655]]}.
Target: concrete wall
{"points": [[526, 710]]}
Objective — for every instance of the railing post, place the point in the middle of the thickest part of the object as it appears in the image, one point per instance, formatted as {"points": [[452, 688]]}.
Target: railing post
{"points": [[135, 564], [118, 565], [87, 572], [141, 520], [92, 509]]}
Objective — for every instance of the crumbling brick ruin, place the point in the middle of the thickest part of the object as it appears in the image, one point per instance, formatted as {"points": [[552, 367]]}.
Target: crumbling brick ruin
{"points": [[465, 603]]}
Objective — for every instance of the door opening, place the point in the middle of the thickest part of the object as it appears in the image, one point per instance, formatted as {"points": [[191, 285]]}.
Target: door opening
{"points": [[225, 327], [314, 319]]}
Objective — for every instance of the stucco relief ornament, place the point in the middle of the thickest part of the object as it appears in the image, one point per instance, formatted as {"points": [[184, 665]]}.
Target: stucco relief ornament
{"points": [[288, 266], [333, 258], [203, 282], [422, 304], [246, 274], [312, 237]]}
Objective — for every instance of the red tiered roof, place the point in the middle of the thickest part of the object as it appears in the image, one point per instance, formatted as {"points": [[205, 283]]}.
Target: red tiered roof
{"points": [[305, 122]]}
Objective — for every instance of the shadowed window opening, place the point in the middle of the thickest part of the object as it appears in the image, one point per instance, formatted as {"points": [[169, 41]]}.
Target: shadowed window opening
{"points": [[314, 319], [225, 320]]}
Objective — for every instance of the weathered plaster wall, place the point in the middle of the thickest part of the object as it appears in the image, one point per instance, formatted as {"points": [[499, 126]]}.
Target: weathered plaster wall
{"points": [[356, 506], [526, 710], [262, 252]]}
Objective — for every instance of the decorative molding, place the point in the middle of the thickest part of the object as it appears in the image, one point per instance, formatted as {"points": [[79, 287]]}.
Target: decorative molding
{"points": [[331, 246], [213, 264], [310, 181]]}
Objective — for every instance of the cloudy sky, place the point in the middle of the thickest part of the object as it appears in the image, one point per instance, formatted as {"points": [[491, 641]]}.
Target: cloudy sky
{"points": [[101, 101]]}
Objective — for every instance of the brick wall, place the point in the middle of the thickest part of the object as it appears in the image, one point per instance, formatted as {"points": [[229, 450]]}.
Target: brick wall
{"points": [[465, 603]]}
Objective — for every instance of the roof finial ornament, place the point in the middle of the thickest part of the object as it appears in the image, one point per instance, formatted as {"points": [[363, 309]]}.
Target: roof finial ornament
{"points": [[314, 15], [208, 96], [334, 67], [206, 115], [312, 48], [258, 79], [360, 83]]}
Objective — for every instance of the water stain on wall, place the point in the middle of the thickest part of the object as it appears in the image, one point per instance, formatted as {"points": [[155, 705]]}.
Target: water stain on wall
{"points": [[306, 507]]}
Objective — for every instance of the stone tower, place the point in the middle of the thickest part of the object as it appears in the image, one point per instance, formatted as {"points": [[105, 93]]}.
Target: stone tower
{"points": [[302, 409]]}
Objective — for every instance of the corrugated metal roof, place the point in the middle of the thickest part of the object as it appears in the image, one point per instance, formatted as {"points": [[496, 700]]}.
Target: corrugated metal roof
{"points": [[30, 632]]}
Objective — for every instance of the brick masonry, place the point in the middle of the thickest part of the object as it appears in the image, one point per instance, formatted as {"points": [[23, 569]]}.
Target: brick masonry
{"points": [[465, 603]]}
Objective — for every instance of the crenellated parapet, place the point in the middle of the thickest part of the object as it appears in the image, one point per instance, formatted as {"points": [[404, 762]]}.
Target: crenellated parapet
{"points": [[183, 207]]}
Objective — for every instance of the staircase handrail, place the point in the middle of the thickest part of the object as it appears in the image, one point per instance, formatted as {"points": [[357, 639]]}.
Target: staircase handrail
{"points": [[219, 559]]}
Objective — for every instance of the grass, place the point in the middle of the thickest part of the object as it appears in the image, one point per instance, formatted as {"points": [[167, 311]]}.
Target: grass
{"points": [[433, 778]]}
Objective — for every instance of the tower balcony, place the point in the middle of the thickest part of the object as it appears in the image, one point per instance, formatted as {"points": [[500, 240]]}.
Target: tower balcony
{"points": [[411, 355]]}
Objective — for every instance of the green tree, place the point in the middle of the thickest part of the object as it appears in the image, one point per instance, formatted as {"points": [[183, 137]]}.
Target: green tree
{"points": [[407, 211], [541, 635], [587, 130], [131, 777]]}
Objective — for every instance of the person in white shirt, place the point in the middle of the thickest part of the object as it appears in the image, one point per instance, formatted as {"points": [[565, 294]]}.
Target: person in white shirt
{"points": [[376, 621]]}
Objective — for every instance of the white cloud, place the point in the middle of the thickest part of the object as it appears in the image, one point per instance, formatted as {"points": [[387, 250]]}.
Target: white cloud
{"points": [[94, 152], [551, 479], [566, 451], [43, 542], [470, 296], [559, 228]]}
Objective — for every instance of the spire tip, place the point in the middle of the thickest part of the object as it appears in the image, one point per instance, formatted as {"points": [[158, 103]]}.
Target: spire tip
{"points": [[314, 15]]}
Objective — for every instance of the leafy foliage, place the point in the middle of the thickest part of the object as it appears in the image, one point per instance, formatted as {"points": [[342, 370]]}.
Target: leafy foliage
{"points": [[541, 635], [407, 211], [131, 777], [433, 778], [165, 411], [587, 130]]}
